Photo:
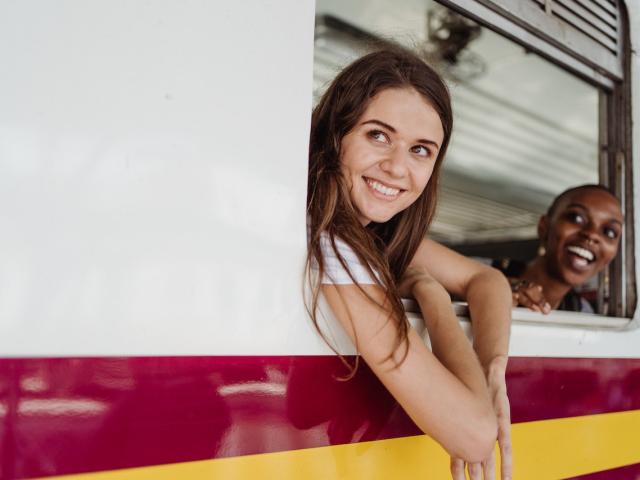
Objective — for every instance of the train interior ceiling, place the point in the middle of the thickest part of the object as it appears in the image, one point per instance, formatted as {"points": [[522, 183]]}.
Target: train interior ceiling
{"points": [[524, 129]]}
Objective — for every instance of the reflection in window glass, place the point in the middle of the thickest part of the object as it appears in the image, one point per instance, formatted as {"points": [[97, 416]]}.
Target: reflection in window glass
{"points": [[524, 129]]}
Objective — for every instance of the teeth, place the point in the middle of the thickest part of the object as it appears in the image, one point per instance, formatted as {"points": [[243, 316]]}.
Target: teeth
{"points": [[378, 187], [581, 252]]}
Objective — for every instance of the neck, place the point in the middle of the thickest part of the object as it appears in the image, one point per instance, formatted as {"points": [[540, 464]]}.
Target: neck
{"points": [[553, 289]]}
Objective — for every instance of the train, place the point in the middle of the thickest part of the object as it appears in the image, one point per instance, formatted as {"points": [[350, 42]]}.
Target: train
{"points": [[153, 166]]}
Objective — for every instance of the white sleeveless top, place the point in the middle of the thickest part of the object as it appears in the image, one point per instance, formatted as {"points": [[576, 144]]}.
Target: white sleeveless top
{"points": [[335, 273]]}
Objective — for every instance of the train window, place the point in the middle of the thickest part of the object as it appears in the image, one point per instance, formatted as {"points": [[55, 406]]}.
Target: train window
{"points": [[525, 128]]}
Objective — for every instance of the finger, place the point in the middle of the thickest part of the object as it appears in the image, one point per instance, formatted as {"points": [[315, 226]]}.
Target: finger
{"points": [[489, 467], [504, 442], [475, 471], [538, 303], [535, 293], [516, 297], [531, 295], [457, 469], [503, 414], [525, 301]]}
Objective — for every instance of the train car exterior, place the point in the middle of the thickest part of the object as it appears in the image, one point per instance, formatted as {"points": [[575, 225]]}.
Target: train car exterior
{"points": [[152, 209]]}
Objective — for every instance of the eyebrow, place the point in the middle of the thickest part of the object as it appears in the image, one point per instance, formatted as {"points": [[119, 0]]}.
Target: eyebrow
{"points": [[390, 128], [582, 207]]}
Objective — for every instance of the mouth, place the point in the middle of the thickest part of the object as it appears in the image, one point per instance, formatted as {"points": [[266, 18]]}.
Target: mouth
{"points": [[383, 190], [580, 257]]}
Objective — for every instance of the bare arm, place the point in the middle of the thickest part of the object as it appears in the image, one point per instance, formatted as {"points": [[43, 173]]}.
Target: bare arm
{"points": [[485, 289], [447, 396], [489, 297]]}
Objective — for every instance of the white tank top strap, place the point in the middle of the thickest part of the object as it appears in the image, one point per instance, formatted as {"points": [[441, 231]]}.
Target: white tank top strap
{"points": [[335, 273]]}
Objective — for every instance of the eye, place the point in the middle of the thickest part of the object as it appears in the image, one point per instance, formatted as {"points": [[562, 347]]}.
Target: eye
{"points": [[378, 136], [610, 233], [421, 151], [576, 218]]}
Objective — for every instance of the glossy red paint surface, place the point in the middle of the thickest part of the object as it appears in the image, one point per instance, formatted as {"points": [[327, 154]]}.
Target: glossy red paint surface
{"points": [[631, 472], [75, 415], [62, 416], [544, 388]]}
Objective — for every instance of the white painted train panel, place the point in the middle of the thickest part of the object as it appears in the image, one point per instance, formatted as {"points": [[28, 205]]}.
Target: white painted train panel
{"points": [[153, 182], [152, 175]]}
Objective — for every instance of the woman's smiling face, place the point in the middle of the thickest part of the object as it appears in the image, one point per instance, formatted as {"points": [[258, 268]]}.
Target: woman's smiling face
{"points": [[583, 234], [389, 155]]}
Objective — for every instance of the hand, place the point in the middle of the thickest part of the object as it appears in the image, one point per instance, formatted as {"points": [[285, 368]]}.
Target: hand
{"points": [[498, 391], [530, 295]]}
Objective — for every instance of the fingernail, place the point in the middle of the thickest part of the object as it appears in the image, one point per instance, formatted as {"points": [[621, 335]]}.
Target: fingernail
{"points": [[547, 308]]}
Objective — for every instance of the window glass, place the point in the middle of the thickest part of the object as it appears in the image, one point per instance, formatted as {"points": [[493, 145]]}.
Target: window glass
{"points": [[524, 129]]}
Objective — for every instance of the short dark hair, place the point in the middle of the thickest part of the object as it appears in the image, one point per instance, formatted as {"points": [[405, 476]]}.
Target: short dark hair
{"points": [[589, 186]]}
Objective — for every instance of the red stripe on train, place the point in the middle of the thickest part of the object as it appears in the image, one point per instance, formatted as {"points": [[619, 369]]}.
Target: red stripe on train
{"points": [[630, 472], [74, 415]]}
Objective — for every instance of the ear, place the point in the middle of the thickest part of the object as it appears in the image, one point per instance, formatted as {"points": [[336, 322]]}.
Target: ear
{"points": [[543, 229]]}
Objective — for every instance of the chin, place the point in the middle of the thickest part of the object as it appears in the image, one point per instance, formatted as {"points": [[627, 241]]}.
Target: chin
{"points": [[575, 279], [380, 218], [375, 215]]}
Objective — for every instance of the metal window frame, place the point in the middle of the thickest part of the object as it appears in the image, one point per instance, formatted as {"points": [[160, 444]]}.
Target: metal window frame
{"points": [[508, 22], [618, 293], [616, 172]]}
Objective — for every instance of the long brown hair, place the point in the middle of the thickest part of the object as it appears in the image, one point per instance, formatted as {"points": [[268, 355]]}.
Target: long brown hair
{"points": [[384, 249]]}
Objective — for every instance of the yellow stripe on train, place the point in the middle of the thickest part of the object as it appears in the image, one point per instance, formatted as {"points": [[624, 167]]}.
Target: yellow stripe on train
{"points": [[546, 449]]}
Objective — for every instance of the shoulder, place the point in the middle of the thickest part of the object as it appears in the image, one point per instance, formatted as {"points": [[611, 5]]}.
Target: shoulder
{"points": [[335, 271]]}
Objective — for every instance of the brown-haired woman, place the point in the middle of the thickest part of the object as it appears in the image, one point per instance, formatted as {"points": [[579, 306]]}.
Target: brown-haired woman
{"points": [[378, 139]]}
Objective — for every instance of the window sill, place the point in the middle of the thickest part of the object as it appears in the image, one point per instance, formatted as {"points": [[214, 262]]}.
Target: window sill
{"points": [[555, 318]]}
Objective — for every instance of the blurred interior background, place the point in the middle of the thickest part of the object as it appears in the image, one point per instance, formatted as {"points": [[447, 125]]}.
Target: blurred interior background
{"points": [[524, 129]]}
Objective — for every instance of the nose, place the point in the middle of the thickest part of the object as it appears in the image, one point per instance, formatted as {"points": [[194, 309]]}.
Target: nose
{"points": [[395, 163], [590, 233]]}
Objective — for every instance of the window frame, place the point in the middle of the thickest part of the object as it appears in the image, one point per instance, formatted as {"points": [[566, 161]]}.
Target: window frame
{"points": [[558, 318], [617, 287], [617, 293]]}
